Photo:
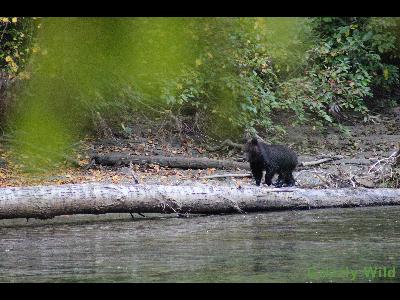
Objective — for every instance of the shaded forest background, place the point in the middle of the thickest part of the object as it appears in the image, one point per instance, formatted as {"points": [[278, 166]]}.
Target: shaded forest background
{"points": [[63, 79]]}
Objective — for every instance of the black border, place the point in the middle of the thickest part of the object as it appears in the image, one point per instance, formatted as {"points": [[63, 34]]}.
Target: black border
{"points": [[136, 8]]}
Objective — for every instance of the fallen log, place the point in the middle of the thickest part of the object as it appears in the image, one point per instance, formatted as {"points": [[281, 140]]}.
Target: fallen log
{"points": [[125, 159], [120, 159], [226, 175], [45, 202]]}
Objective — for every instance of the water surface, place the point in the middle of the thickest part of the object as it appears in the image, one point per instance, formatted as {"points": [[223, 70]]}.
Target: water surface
{"points": [[324, 245]]}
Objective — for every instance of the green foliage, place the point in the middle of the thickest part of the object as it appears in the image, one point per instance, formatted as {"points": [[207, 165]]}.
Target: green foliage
{"points": [[234, 78], [16, 36], [236, 73], [89, 66], [384, 40], [288, 40], [344, 66]]}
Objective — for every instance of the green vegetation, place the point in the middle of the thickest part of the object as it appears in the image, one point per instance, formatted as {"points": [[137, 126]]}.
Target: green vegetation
{"points": [[220, 75]]}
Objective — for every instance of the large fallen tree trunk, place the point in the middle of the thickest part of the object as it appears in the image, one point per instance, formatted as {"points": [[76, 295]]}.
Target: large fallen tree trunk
{"points": [[49, 201]]}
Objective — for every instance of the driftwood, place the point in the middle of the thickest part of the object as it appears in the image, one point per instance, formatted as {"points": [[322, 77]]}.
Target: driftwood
{"points": [[49, 201], [386, 170], [125, 159]]}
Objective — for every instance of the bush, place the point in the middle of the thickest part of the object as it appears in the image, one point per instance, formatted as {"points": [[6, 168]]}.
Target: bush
{"points": [[345, 66], [16, 46], [233, 79], [16, 42]]}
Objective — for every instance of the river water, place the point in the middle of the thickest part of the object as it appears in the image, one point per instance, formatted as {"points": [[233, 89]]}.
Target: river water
{"points": [[324, 245]]}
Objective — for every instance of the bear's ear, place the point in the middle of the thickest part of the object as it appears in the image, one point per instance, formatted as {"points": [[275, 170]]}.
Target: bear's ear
{"points": [[254, 141]]}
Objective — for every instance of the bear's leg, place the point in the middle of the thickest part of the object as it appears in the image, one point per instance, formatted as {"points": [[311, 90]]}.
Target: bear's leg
{"points": [[279, 181], [268, 176], [291, 181], [288, 179], [257, 173]]}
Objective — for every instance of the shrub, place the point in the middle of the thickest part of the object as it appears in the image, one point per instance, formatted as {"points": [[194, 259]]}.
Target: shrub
{"points": [[344, 67]]}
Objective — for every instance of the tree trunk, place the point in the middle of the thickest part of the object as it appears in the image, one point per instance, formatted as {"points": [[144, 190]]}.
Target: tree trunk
{"points": [[48, 201]]}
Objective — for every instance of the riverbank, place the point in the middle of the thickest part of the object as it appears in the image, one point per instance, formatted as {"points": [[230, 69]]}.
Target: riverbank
{"points": [[365, 159]]}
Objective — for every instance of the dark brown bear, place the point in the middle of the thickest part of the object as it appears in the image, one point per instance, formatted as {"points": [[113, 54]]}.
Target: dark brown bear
{"points": [[274, 159]]}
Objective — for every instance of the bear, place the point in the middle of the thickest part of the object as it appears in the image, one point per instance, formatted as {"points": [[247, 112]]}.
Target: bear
{"points": [[274, 159]]}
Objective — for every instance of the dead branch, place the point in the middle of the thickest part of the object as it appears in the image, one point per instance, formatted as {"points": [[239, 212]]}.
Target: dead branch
{"points": [[381, 163], [386, 169], [317, 162], [326, 183]]}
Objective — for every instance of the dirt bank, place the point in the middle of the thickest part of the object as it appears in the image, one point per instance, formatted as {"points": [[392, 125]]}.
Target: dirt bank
{"points": [[365, 156]]}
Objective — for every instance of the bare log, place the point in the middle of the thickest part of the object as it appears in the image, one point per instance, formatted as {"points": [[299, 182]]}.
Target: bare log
{"points": [[125, 159], [226, 175], [118, 159], [49, 201]]}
